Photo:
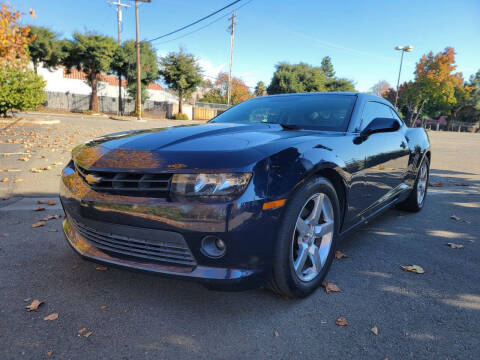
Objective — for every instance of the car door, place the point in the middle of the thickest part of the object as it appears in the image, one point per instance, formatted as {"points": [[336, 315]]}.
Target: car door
{"points": [[386, 159]]}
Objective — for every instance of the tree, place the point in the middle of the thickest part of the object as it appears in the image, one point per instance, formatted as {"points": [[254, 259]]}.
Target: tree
{"points": [[336, 84], [14, 38], [44, 47], [327, 67], [92, 54], [410, 101], [124, 63], [306, 78], [20, 88], [218, 93], [260, 89], [380, 88], [437, 82], [296, 78], [181, 73]]}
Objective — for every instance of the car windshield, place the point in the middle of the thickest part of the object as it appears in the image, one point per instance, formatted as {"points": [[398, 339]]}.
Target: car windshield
{"points": [[322, 112]]}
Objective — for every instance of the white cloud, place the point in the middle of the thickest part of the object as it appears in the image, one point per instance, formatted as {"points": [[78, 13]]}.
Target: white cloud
{"points": [[211, 70]]}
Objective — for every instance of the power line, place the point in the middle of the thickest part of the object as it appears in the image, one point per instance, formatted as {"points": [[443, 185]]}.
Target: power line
{"points": [[206, 25], [195, 22]]}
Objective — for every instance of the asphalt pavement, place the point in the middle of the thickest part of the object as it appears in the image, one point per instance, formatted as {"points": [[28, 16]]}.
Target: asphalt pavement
{"points": [[128, 315]]}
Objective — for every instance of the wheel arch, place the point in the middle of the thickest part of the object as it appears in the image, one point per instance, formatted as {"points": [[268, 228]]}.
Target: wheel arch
{"points": [[340, 188]]}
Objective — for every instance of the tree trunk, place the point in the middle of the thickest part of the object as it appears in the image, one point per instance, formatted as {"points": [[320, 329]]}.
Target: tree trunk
{"points": [[94, 96], [35, 67], [180, 102]]}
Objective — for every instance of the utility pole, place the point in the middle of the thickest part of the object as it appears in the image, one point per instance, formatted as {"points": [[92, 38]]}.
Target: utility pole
{"points": [[119, 23], [232, 35], [402, 49], [138, 107]]}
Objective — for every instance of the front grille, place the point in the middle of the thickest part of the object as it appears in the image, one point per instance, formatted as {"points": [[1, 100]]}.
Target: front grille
{"points": [[174, 252], [134, 184]]}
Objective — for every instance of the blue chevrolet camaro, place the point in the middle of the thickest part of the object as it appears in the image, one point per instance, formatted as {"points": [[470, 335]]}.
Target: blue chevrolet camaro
{"points": [[260, 195]]}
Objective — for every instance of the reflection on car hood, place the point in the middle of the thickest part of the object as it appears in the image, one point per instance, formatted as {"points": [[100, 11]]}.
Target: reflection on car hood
{"points": [[212, 145]]}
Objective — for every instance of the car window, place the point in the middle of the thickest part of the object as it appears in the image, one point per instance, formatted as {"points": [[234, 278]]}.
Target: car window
{"points": [[323, 112], [374, 110], [396, 117]]}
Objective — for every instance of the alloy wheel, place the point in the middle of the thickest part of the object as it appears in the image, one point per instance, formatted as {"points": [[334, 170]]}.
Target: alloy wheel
{"points": [[313, 236], [422, 183]]}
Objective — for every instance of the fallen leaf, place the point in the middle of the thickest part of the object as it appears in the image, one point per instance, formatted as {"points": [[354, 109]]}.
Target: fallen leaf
{"points": [[374, 330], [49, 352], [339, 255], [103, 307], [82, 330], [330, 287], [39, 208], [41, 202], [412, 268], [4, 179], [461, 184], [50, 217], [51, 202], [24, 158], [438, 184], [276, 334], [101, 268], [34, 305], [455, 246], [35, 170], [341, 321], [53, 316], [18, 180], [88, 334], [456, 218], [126, 310], [38, 224]]}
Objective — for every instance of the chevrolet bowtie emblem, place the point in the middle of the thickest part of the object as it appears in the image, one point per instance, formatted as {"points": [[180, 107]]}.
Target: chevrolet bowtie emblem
{"points": [[92, 179]]}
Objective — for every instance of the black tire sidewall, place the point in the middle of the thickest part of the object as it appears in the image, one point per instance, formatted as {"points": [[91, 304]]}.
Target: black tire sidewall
{"points": [[284, 272]]}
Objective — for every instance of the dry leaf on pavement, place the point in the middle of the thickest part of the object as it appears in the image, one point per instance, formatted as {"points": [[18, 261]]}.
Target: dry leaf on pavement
{"points": [[88, 334], [49, 352], [455, 246], [341, 321], [438, 184], [38, 224], [103, 307], [41, 202], [53, 316], [276, 334], [339, 255], [330, 287], [35, 170], [50, 217], [4, 179], [82, 330], [412, 268], [101, 268], [374, 330], [18, 180], [34, 305], [39, 208], [51, 202]]}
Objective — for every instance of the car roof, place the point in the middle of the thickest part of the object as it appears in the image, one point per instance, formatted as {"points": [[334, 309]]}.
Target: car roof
{"points": [[362, 96]]}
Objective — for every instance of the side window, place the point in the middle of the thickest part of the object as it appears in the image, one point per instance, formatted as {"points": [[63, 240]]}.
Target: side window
{"points": [[396, 117], [374, 110]]}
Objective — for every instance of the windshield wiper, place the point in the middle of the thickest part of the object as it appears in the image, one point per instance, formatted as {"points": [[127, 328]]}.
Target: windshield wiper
{"points": [[289, 126]]}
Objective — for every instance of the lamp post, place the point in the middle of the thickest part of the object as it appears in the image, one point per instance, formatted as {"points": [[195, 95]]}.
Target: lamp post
{"points": [[402, 49]]}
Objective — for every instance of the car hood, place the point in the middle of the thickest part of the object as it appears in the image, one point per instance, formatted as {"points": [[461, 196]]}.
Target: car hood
{"points": [[208, 146]]}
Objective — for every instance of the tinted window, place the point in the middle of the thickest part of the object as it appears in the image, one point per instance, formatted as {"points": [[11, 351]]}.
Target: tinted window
{"points": [[374, 110], [395, 116], [323, 112]]}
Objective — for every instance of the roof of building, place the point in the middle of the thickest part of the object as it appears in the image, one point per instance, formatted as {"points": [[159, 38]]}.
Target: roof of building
{"points": [[109, 79]]}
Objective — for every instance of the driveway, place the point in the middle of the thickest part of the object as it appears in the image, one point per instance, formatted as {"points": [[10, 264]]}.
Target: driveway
{"points": [[127, 315]]}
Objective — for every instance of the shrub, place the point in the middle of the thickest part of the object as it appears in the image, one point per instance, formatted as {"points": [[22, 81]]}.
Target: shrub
{"points": [[20, 89], [180, 116]]}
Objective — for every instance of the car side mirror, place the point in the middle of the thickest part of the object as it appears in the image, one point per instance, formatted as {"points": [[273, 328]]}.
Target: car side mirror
{"points": [[379, 125]]}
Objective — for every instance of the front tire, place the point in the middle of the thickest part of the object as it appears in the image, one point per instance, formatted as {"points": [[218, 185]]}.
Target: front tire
{"points": [[306, 240], [416, 199]]}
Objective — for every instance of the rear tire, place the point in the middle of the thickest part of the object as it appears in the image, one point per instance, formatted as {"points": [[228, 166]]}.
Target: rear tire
{"points": [[418, 195], [307, 239]]}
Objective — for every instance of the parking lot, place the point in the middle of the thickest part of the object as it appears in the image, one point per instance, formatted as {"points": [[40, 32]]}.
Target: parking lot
{"points": [[128, 315]]}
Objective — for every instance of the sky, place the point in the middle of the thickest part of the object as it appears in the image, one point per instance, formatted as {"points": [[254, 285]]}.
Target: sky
{"points": [[359, 36]]}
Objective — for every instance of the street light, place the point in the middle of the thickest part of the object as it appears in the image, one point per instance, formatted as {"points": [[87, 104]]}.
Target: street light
{"points": [[402, 49]]}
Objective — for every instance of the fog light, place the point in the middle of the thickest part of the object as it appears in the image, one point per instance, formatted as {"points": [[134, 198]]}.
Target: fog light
{"points": [[213, 246]]}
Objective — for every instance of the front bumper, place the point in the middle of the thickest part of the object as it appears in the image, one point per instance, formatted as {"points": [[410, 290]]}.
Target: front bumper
{"points": [[246, 229]]}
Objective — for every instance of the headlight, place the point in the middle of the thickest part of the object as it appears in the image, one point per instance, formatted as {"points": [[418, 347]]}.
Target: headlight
{"points": [[210, 184]]}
